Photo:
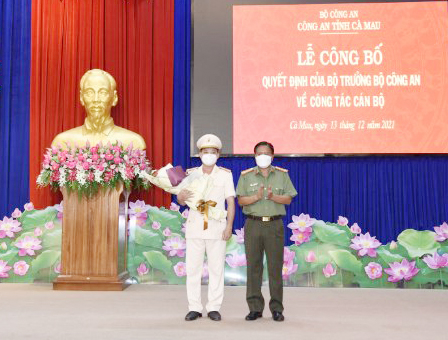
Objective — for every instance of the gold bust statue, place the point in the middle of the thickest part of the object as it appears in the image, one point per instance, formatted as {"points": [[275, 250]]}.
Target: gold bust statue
{"points": [[98, 95]]}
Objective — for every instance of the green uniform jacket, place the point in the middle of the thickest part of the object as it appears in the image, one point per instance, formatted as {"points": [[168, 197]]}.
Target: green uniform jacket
{"points": [[251, 179]]}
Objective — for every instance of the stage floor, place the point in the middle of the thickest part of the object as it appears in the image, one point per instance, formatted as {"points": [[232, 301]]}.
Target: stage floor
{"points": [[35, 311]]}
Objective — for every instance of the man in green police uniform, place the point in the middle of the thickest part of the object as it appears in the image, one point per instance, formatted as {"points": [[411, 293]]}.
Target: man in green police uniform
{"points": [[263, 192]]}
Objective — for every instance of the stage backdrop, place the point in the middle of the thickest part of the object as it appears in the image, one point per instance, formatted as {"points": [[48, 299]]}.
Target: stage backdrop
{"points": [[324, 254], [383, 194]]}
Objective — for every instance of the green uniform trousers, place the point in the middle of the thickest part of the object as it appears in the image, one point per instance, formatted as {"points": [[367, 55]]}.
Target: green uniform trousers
{"points": [[260, 237]]}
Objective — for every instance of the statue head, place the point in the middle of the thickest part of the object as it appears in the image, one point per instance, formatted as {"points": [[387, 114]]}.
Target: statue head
{"points": [[98, 93]]}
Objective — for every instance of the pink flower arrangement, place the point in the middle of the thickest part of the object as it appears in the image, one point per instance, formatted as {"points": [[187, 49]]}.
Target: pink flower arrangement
{"points": [[288, 255], [441, 232], [374, 270], [8, 227], [311, 257], [180, 269], [393, 245], [365, 245], [343, 221], [85, 169], [436, 261], [302, 222], [21, 268], [355, 229], [58, 268], [166, 232], [301, 228], [156, 225], [16, 213], [138, 207], [60, 210], [142, 269], [239, 235], [141, 219], [288, 269], [174, 207], [4, 269], [49, 225], [401, 270], [329, 271], [29, 206], [235, 260], [185, 213], [28, 245], [175, 246], [288, 263], [300, 237]]}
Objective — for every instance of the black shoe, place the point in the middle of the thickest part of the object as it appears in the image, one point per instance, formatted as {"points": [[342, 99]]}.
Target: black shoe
{"points": [[253, 316], [215, 316], [192, 315], [278, 316]]}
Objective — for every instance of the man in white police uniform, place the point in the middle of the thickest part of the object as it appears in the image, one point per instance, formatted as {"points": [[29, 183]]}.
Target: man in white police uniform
{"points": [[206, 235]]}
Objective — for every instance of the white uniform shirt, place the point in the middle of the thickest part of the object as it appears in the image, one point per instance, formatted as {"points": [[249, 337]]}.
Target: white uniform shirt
{"points": [[222, 187]]}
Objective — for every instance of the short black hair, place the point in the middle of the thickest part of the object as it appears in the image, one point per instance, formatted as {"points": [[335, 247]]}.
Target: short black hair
{"points": [[264, 143]]}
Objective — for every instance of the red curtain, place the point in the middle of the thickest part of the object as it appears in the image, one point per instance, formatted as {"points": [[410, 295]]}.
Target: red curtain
{"points": [[133, 41]]}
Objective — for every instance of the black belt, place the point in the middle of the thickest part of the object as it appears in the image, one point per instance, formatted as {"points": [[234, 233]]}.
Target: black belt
{"points": [[264, 218]]}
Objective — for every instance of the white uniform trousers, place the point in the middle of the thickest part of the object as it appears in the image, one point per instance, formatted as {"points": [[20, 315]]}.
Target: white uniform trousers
{"points": [[216, 251]]}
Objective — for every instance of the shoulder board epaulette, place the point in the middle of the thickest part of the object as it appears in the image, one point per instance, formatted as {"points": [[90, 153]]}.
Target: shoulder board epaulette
{"points": [[190, 170], [225, 169], [244, 172], [281, 169]]}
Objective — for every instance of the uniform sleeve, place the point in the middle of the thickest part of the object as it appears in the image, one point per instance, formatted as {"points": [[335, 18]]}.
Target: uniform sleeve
{"points": [[289, 189], [241, 187], [229, 187]]}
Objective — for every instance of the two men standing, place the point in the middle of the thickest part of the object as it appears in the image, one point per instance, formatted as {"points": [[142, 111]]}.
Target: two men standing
{"points": [[263, 192]]}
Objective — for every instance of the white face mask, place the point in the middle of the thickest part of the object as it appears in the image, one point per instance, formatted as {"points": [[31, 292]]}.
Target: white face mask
{"points": [[263, 161], [209, 159]]}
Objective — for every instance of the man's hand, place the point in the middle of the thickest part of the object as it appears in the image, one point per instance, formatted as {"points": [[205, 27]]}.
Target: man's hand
{"points": [[227, 234], [270, 194], [184, 195], [260, 193]]}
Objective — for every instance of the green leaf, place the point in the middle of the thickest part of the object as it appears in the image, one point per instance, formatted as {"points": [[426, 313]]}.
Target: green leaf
{"points": [[346, 260], [52, 239], [136, 261], [428, 275], [443, 250], [38, 218], [46, 259], [233, 246], [387, 256], [148, 238], [331, 234], [10, 255], [23, 235], [159, 261], [365, 282], [322, 256], [418, 243], [167, 218], [45, 275]]}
